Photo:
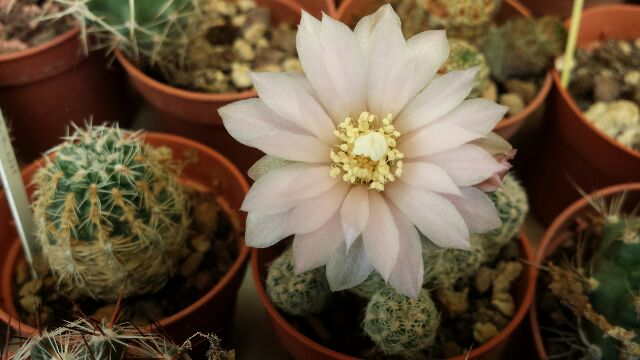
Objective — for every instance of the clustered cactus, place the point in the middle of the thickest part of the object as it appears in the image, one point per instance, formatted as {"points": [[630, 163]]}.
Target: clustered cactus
{"points": [[463, 19], [524, 46], [110, 210], [463, 55], [398, 324]]}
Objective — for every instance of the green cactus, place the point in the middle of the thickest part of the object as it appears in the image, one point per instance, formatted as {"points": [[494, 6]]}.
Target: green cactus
{"points": [[400, 325], [524, 47], [463, 19], [463, 55], [615, 275], [443, 267], [110, 210], [296, 294]]}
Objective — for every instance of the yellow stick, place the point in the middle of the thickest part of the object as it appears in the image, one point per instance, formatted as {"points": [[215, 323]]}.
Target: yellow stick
{"points": [[569, 58]]}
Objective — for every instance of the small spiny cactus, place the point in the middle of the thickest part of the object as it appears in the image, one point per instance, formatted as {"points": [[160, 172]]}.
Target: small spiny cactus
{"points": [[110, 210], [400, 325], [523, 47], [443, 267], [296, 294], [463, 19], [463, 55]]}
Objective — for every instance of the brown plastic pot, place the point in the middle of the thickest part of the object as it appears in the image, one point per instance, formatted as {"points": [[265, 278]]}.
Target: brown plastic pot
{"points": [[213, 311], [195, 114], [574, 153], [317, 7], [553, 239], [350, 11], [44, 88], [560, 8], [301, 347]]}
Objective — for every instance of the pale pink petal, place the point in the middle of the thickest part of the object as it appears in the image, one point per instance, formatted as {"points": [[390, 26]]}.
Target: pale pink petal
{"points": [[441, 96], [428, 50], [435, 138], [430, 177], [408, 273], [264, 230], [467, 165], [433, 215], [334, 64], [494, 144], [380, 236], [354, 213], [364, 28], [477, 115], [281, 189], [495, 181], [314, 249], [348, 268], [252, 123], [476, 209], [266, 164], [290, 96], [309, 214]]}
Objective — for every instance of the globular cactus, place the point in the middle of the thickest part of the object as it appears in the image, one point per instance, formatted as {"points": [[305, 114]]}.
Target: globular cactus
{"points": [[110, 210], [296, 294], [399, 325], [370, 286], [443, 267], [524, 47], [463, 55], [463, 19]]}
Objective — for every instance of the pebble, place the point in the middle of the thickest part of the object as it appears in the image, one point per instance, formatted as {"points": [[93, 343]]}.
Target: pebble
{"points": [[201, 243], [484, 331], [619, 119], [526, 89], [456, 302], [205, 215], [504, 303], [192, 264], [632, 78], [490, 91], [240, 75], [292, 65], [255, 32], [22, 272], [513, 101], [31, 303], [484, 278], [30, 288], [605, 88], [202, 281], [243, 50]]}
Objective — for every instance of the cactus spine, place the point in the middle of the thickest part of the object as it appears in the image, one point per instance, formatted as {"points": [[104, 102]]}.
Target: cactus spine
{"points": [[110, 210], [463, 55], [463, 19]]}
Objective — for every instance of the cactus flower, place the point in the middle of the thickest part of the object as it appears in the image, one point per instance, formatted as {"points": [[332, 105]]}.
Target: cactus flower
{"points": [[366, 150]]}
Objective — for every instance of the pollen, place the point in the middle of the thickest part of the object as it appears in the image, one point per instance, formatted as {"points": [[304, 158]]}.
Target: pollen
{"points": [[367, 153]]}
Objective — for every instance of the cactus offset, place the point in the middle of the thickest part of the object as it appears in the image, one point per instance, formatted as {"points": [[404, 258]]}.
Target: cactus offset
{"points": [[296, 294], [463, 55], [110, 210], [524, 47], [400, 325], [463, 19]]}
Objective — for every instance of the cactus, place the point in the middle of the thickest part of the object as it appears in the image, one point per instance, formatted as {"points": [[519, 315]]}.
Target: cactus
{"points": [[400, 325], [463, 19], [524, 47], [443, 267], [296, 294], [109, 211], [463, 55]]}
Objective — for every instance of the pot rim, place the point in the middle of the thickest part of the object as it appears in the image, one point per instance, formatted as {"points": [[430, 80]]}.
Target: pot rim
{"points": [[547, 241], [34, 50], [516, 320], [237, 266]]}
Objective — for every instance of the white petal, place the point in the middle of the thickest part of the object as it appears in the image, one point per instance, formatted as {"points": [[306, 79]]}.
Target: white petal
{"points": [[441, 96], [366, 25], [346, 269], [281, 189], [309, 214], [354, 214], [265, 230], [290, 96], [494, 144], [408, 274], [428, 50], [477, 115], [435, 138], [334, 64], [252, 123], [266, 164], [467, 165], [380, 236], [477, 210], [430, 177], [314, 249], [433, 215]]}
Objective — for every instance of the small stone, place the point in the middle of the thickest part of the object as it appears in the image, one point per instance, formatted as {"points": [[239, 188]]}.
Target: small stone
{"points": [[22, 272], [205, 215], [31, 303], [625, 47], [605, 88], [191, 264], [292, 65], [632, 78], [456, 302], [201, 243], [31, 287], [269, 68], [504, 303], [526, 89], [513, 101], [239, 21], [484, 331], [104, 313], [243, 50], [484, 278], [240, 75], [490, 91], [619, 120], [245, 5], [202, 281], [284, 38], [254, 33]]}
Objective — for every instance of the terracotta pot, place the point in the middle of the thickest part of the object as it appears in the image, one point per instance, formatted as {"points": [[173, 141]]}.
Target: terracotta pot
{"points": [[552, 239], [213, 311], [195, 114], [350, 11], [44, 88], [560, 8], [575, 154], [301, 347], [317, 7]]}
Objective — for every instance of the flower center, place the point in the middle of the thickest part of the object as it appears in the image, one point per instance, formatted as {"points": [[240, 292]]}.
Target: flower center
{"points": [[368, 153]]}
